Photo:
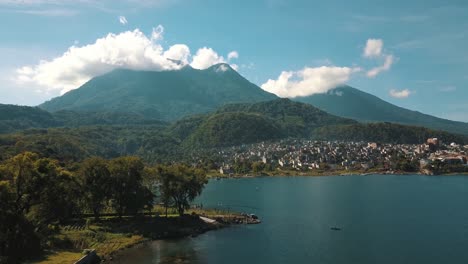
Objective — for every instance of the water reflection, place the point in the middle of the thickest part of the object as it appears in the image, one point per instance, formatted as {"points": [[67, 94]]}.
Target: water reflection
{"points": [[182, 251]]}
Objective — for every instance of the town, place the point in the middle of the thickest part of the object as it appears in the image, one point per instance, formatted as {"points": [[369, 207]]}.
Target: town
{"points": [[430, 157]]}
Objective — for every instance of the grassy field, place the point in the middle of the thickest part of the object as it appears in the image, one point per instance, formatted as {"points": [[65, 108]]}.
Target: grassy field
{"points": [[110, 234], [70, 242]]}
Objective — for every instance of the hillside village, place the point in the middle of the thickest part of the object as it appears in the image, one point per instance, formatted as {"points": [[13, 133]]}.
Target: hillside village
{"points": [[431, 157]]}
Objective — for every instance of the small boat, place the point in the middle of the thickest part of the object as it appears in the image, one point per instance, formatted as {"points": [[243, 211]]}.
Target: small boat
{"points": [[334, 228]]}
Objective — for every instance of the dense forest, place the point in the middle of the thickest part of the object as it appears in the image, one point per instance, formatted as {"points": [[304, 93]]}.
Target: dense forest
{"points": [[385, 133], [189, 138], [17, 118], [38, 195]]}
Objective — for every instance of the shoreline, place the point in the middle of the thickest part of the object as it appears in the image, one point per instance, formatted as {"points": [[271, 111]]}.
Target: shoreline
{"points": [[327, 174], [120, 235], [113, 257], [222, 221]]}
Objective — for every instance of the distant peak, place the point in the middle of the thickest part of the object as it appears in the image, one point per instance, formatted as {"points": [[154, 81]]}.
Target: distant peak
{"points": [[221, 67]]}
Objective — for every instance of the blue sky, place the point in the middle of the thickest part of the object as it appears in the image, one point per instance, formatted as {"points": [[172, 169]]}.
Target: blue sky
{"points": [[315, 43]]}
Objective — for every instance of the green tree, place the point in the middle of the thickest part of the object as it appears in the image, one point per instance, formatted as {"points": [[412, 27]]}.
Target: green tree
{"points": [[95, 180], [58, 193], [180, 185], [24, 180], [128, 193], [258, 166], [17, 234]]}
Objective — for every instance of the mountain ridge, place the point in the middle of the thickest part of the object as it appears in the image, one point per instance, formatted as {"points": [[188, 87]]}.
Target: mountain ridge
{"points": [[165, 95], [352, 103]]}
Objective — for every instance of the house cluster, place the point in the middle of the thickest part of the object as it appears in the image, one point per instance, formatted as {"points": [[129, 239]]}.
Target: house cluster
{"points": [[311, 155]]}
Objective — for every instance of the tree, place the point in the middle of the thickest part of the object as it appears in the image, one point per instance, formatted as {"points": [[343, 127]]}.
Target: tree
{"points": [[95, 180], [258, 166], [128, 193], [17, 234], [58, 192], [181, 184], [20, 172]]}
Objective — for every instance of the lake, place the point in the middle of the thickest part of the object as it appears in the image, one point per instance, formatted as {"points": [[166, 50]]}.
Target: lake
{"points": [[383, 219]]}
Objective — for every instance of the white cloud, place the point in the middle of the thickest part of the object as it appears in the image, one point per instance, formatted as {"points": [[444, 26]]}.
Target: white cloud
{"points": [[233, 55], [385, 67], [222, 68], [400, 94], [373, 48], [206, 57], [178, 52], [129, 49], [309, 81], [123, 20]]}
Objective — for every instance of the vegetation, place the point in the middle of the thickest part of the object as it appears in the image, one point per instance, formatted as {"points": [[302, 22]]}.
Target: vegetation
{"points": [[231, 129], [165, 95], [353, 103], [16, 118], [195, 137], [295, 119], [39, 196], [181, 185], [385, 133]]}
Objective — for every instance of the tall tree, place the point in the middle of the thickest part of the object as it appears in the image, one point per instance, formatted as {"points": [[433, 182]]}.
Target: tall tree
{"points": [[95, 180], [181, 184], [128, 193]]}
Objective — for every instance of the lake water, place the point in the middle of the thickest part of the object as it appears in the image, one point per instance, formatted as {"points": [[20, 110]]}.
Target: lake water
{"points": [[384, 219]]}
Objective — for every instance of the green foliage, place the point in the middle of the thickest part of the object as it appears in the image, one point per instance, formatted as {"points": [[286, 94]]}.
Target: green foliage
{"points": [[38, 194], [384, 133], [128, 195], [180, 184], [238, 124], [96, 183], [17, 234], [295, 119], [35, 192], [229, 129], [16, 118], [74, 145]]}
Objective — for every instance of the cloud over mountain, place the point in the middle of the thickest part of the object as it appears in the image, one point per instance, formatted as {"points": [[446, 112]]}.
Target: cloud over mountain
{"points": [[309, 81], [400, 94], [318, 80], [129, 49]]}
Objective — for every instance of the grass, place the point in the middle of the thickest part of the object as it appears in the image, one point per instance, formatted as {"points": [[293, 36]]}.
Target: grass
{"points": [[112, 234], [71, 243], [61, 257]]}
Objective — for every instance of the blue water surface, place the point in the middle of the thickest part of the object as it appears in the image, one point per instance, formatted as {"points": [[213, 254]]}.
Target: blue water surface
{"points": [[383, 219]]}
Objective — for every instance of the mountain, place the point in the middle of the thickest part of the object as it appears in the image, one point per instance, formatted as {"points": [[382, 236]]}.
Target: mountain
{"points": [[353, 103], [165, 95], [294, 118], [187, 138], [233, 129], [16, 118], [237, 124]]}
